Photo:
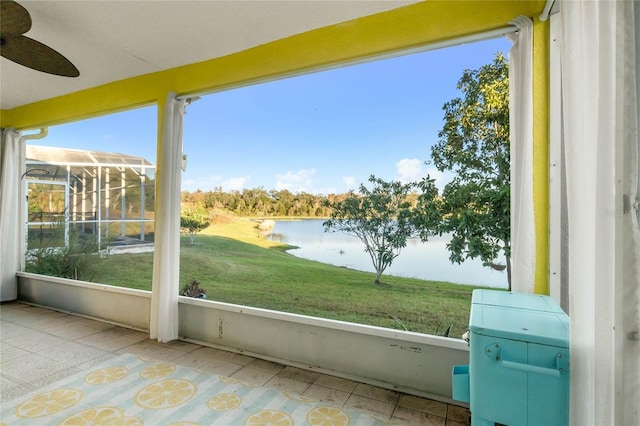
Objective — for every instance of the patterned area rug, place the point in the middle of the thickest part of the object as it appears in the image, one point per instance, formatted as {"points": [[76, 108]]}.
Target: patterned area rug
{"points": [[131, 391]]}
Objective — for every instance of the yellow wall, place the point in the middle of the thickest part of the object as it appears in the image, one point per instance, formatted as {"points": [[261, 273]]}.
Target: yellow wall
{"points": [[408, 27], [541, 153]]}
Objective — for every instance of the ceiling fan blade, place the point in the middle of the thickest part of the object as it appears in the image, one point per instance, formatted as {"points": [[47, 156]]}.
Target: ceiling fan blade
{"points": [[14, 19], [33, 54]]}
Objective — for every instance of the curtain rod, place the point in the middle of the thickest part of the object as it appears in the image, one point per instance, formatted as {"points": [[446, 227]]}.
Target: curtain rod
{"points": [[188, 98], [486, 35], [472, 38], [547, 10]]}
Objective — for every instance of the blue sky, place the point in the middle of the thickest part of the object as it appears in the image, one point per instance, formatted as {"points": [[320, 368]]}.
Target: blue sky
{"points": [[324, 132]]}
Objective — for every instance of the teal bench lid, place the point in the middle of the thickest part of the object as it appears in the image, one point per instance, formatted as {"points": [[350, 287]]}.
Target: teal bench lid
{"points": [[518, 316], [534, 302]]}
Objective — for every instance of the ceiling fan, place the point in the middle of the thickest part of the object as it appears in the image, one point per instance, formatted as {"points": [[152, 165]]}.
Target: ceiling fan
{"points": [[14, 22]]}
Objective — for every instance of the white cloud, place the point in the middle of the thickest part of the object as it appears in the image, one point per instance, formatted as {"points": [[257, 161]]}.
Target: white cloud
{"points": [[202, 183], [441, 178], [410, 170], [235, 183], [350, 182], [413, 170], [300, 181], [210, 183]]}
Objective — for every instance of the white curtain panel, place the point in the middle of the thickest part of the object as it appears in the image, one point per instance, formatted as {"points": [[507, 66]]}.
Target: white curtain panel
{"points": [[12, 164], [166, 260], [523, 238], [600, 125]]}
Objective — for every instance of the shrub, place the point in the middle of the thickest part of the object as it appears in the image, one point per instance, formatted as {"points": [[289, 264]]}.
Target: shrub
{"points": [[78, 259], [193, 289]]}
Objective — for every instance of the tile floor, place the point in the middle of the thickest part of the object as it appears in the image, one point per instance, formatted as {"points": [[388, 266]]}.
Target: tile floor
{"points": [[40, 346]]}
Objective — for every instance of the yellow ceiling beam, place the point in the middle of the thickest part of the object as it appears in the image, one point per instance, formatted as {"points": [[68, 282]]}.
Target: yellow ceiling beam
{"points": [[404, 28]]}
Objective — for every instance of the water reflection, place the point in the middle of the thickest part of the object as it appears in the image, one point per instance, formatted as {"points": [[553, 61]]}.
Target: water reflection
{"points": [[429, 261]]}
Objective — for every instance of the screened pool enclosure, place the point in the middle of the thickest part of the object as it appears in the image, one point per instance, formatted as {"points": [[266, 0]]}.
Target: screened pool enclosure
{"points": [[103, 195]]}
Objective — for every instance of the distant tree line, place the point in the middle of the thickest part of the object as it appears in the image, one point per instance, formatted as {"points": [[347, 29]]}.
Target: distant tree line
{"points": [[258, 202]]}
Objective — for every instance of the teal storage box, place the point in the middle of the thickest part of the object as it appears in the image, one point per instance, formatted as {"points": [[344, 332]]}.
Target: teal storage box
{"points": [[518, 360], [460, 383]]}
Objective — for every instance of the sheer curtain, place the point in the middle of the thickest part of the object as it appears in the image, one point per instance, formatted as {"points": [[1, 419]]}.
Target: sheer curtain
{"points": [[12, 164], [600, 125], [523, 238], [166, 260]]}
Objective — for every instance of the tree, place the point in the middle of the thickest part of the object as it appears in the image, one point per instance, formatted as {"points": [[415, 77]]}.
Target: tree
{"points": [[381, 217], [474, 145], [75, 256], [192, 222]]}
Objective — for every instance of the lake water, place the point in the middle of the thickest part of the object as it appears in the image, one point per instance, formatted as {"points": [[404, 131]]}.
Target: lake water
{"points": [[429, 261]]}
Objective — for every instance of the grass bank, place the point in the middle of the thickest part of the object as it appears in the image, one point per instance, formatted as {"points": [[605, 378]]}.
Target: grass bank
{"points": [[236, 265]]}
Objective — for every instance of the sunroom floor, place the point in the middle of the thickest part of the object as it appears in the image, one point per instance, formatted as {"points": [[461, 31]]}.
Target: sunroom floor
{"points": [[39, 347]]}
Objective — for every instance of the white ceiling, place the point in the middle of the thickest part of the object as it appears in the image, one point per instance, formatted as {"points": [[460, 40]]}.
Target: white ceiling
{"points": [[110, 40]]}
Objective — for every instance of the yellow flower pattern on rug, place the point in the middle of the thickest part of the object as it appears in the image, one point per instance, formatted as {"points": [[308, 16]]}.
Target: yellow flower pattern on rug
{"points": [[299, 398], [106, 375], [101, 416], [165, 394], [48, 403], [224, 401], [158, 370], [153, 392], [228, 380], [232, 381], [327, 416], [269, 418]]}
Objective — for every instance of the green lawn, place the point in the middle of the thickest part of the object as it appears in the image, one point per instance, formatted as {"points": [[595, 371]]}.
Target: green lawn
{"points": [[250, 270]]}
